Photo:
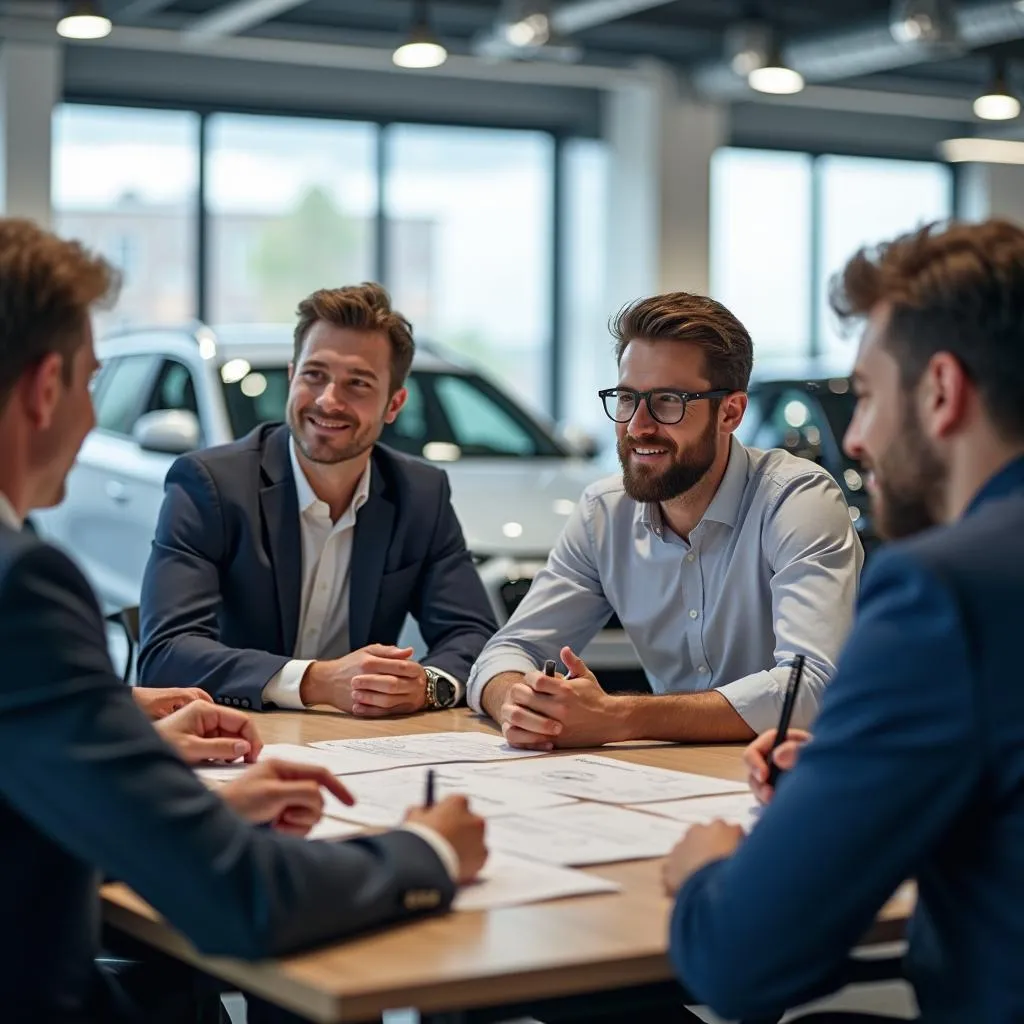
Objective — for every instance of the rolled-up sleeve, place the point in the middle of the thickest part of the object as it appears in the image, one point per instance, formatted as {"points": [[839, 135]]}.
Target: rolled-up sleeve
{"points": [[565, 605], [815, 557]]}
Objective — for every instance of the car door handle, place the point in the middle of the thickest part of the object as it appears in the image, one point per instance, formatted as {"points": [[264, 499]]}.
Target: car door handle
{"points": [[116, 491]]}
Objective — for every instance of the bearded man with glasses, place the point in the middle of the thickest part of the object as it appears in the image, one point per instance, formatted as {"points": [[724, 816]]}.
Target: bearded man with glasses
{"points": [[722, 562]]}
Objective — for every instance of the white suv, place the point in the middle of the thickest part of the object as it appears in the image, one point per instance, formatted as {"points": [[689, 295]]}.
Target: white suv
{"points": [[163, 392]]}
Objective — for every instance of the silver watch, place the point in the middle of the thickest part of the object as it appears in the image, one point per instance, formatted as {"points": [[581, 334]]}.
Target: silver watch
{"points": [[441, 691]]}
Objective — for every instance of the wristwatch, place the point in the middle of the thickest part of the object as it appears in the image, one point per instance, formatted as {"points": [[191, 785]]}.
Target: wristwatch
{"points": [[441, 691]]}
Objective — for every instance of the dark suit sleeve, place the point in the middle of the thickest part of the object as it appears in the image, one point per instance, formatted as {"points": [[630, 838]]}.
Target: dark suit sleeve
{"points": [[94, 775], [893, 762], [181, 598], [450, 603]]}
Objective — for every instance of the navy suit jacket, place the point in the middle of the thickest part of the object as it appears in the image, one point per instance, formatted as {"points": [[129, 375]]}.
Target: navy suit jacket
{"points": [[916, 770], [222, 591], [88, 789]]}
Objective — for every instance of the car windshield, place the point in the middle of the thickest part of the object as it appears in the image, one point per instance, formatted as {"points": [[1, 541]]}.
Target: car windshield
{"points": [[447, 416]]}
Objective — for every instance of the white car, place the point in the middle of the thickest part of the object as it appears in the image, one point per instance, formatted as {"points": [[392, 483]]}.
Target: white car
{"points": [[164, 392]]}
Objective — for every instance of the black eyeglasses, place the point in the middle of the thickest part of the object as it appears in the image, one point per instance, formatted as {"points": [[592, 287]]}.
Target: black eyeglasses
{"points": [[666, 405]]}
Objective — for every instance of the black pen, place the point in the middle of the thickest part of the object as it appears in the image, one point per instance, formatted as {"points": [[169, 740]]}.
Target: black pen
{"points": [[429, 800], [549, 667], [787, 713]]}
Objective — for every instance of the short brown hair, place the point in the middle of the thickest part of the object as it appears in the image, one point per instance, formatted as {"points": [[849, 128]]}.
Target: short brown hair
{"points": [[364, 307], [680, 316], [47, 287], [957, 289]]}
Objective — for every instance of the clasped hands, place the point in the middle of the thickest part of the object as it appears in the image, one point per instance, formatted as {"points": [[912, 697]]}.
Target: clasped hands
{"points": [[372, 682], [542, 712]]}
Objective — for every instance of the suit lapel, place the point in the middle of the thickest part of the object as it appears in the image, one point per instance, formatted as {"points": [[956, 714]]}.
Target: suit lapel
{"points": [[281, 532], [370, 545]]}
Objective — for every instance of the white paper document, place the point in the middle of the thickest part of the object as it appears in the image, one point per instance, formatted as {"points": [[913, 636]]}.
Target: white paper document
{"points": [[508, 881], [737, 809], [382, 798], [383, 752], [337, 762], [579, 834], [606, 780]]}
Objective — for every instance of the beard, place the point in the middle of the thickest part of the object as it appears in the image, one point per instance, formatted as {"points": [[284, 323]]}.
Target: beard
{"points": [[327, 451], [685, 470], [909, 480]]}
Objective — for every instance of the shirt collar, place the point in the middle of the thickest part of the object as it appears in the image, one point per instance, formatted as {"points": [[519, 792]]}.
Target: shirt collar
{"points": [[7, 514], [307, 496], [1008, 481], [725, 505]]}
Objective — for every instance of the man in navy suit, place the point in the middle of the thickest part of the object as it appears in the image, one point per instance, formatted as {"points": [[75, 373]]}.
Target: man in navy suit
{"points": [[285, 564], [916, 768], [88, 787]]}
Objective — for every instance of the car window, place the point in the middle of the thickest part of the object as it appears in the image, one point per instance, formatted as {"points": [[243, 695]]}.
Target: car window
{"points": [[261, 396], [125, 381], [480, 424], [411, 431], [175, 389]]}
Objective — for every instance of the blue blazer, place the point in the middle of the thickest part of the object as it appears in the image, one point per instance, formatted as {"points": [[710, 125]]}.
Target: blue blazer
{"points": [[89, 789], [222, 591], [916, 770]]}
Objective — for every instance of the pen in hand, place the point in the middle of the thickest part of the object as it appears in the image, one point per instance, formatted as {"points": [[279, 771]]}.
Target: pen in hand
{"points": [[429, 798], [549, 667], [787, 713]]}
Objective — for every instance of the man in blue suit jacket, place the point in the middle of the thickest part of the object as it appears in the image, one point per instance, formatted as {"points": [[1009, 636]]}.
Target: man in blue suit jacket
{"points": [[285, 564], [87, 785], [916, 768]]}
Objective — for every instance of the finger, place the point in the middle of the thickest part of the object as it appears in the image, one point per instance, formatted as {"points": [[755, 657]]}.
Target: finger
{"points": [[576, 666], [786, 755], [196, 694], [530, 721], [388, 651], [524, 740], [554, 708], [756, 764], [374, 699], [553, 686], [218, 748], [401, 686], [299, 817], [314, 773], [391, 667]]}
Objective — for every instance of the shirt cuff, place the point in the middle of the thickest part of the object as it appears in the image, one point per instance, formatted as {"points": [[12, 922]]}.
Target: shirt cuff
{"points": [[283, 687], [460, 689], [437, 842], [492, 663], [758, 698]]}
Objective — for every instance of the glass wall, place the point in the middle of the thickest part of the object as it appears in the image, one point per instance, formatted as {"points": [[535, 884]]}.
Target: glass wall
{"points": [[125, 182], [468, 215], [291, 207], [761, 245], [782, 224]]}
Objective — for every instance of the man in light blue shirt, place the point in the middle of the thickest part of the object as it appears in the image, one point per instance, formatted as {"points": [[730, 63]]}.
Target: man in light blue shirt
{"points": [[722, 562]]}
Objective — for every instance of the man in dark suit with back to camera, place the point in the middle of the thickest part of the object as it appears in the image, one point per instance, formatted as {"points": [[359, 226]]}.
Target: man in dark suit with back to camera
{"points": [[88, 787], [916, 768], [285, 563]]}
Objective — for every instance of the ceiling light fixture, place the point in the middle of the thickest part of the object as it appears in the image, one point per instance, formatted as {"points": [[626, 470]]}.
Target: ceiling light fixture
{"points": [[422, 49], [975, 150], [528, 31], [747, 46], [928, 22], [84, 21], [997, 103], [775, 76]]}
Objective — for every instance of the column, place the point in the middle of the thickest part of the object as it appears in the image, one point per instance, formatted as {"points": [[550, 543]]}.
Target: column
{"points": [[30, 87], [993, 190]]}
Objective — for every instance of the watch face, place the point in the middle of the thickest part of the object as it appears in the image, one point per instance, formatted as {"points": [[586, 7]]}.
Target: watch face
{"points": [[445, 691]]}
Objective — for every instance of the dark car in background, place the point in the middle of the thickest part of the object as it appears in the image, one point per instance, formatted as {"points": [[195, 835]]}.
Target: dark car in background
{"points": [[805, 410]]}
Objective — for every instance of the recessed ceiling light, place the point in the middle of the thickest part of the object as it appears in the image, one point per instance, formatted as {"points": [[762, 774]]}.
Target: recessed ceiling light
{"points": [[84, 21]]}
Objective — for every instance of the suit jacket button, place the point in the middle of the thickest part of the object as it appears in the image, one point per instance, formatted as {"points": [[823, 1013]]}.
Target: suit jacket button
{"points": [[246, 703], [421, 899]]}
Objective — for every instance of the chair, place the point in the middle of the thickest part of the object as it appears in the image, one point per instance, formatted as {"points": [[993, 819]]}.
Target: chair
{"points": [[128, 620]]}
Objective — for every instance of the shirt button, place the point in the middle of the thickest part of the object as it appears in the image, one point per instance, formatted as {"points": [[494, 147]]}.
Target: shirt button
{"points": [[693, 613], [702, 669], [691, 557]]}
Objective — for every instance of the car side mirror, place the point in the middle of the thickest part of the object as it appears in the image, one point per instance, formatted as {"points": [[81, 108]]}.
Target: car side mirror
{"points": [[170, 431]]}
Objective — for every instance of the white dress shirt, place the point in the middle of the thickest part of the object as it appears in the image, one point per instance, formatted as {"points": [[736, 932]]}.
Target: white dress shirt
{"points": [[771, 571], [7, 514]]}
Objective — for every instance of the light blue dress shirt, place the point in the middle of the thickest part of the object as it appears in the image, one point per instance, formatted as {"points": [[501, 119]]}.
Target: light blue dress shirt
{"points": [[771, 571]]}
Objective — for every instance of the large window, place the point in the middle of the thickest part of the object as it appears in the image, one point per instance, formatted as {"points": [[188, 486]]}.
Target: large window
{"points": [[782, 224], [292, 205], [761, 244], [124, 181], [468, 253]]}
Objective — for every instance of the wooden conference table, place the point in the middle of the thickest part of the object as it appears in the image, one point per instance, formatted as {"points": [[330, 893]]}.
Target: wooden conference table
{"points": [[468, 959]]}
